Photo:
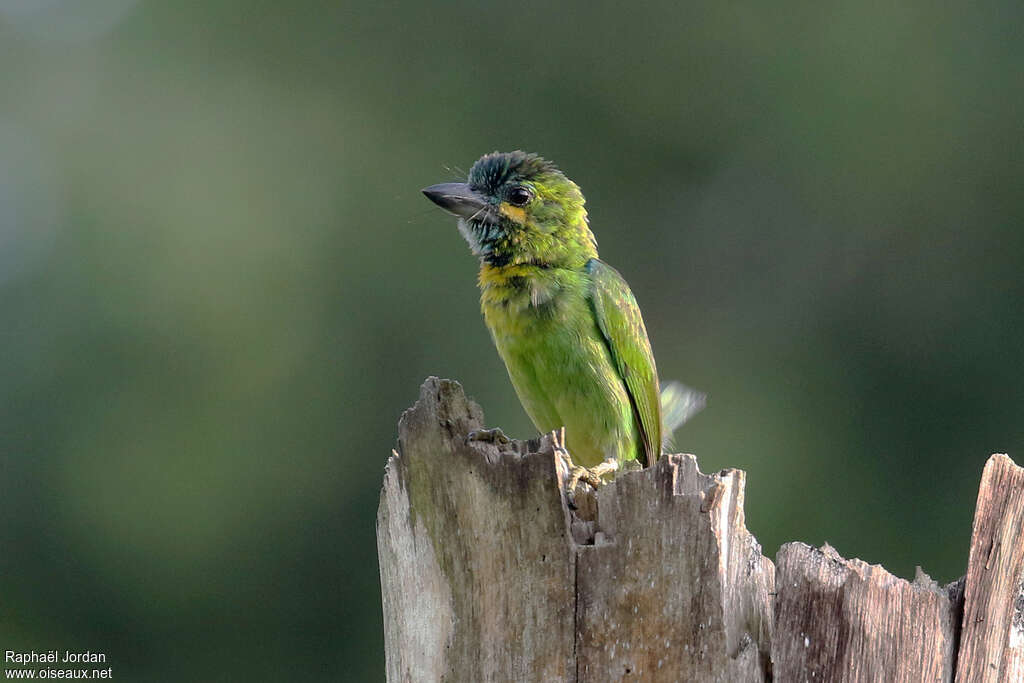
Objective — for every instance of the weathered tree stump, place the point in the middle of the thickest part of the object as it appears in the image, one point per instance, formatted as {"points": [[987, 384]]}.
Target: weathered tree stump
{"points": [[846, 620], [489, 574], [992, 643]]}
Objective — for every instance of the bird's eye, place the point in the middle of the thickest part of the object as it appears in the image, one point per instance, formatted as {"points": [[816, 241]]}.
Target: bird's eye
{"points": [[519, 196]]}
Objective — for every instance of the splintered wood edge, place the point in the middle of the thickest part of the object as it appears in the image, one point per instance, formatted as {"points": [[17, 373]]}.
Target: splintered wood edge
{"points": [[840, 619], [448, 507], [992, 640], [991, 596]]}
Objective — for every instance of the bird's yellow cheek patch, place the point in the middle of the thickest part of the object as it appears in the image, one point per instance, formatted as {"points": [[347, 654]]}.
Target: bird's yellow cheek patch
{"points": [[516, 213]]}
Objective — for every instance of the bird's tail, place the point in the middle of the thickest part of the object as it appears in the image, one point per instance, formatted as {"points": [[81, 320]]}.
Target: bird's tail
{"points": [[678, 404]]}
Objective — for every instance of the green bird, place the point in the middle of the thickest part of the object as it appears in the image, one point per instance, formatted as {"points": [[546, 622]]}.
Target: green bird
{"points": [[564, 322]]}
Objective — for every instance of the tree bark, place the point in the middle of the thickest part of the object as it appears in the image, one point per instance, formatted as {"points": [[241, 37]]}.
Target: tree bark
{"points": [[477, 567], [845, 620], [489, 573], [992, 645], [674, 587]]}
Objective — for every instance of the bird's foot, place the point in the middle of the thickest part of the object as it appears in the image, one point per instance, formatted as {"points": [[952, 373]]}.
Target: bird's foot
{"points": [[488, 435], [577, 473], [591, 475]]}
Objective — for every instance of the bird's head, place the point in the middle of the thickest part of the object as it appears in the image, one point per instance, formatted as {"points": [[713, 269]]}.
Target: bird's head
{"points": [[518, 208]]}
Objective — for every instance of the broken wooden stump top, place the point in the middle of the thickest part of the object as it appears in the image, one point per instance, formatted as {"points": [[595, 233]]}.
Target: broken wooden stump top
{"points": [[488, 574]]}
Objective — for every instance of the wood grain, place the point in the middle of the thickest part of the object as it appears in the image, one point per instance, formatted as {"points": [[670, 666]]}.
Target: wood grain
{"points": [[844, 620], [675, 587], [477, 568], [992, 643], [488, 573]]}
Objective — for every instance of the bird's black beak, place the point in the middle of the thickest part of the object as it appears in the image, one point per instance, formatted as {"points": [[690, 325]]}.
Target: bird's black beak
{"points": [[456, 198]]}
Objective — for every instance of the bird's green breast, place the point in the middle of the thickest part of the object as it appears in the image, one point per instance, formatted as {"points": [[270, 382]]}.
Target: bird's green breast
{"points": [[544, 327]]}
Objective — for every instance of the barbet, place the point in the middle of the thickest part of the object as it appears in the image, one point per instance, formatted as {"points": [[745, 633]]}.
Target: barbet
{"points": [[565, 323]]}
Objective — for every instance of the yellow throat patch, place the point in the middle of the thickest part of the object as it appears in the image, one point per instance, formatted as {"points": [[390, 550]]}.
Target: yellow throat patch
{"points": [[516, 213]]}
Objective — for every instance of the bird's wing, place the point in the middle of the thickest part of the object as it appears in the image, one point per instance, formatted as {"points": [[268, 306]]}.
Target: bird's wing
{"points": [[620, 322]]}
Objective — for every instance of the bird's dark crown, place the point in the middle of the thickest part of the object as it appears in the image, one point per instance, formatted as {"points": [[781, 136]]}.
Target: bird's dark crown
{"points": [[493, 170]]}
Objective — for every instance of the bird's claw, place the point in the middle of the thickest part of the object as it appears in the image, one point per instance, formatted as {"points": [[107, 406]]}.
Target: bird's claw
{"points": [[488, 435], [579, 474], [590, 475]]}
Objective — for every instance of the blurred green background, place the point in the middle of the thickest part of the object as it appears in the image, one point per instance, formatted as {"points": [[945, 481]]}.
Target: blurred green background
{"points": [[220, 285]]}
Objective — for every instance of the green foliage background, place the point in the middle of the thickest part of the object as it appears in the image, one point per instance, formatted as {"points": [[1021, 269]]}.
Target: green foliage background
{"points": [[220, 286]]}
